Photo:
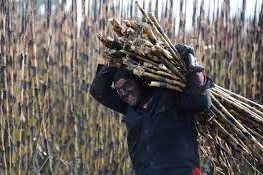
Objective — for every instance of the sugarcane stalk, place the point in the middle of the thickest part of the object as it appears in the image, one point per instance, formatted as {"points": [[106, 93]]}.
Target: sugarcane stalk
{"points": [[46, 118], [245, 119], [225, 119], [238, 124], [33, 55], [156, 68], [252, 166], [110, 42], [160, 35], [236, 144], [11, 54], [5, 90], [222, 152], [150, 35], [241, 105], [158, 78], [131, 23], [166, 53], [241, 97], [141, 42], [159, 72], [162, 52], [164, 85], [116, 26], [22, 118], [140, 52], [3, 129], [237, 105], [172, 68], [73, 88], [255, 133], [220, 155], [165, 39], [138, 70], [140, 57], [231, 137]]}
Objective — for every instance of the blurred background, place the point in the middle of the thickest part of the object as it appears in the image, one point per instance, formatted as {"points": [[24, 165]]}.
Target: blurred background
{"points": [[49, 53]]}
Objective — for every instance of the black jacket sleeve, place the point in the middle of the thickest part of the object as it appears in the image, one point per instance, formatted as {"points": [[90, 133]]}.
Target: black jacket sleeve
{"points": [[197, 97], [101, 89]]}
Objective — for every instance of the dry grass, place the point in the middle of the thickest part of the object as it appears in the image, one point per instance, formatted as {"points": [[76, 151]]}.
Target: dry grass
{"points": [[50, 124]]}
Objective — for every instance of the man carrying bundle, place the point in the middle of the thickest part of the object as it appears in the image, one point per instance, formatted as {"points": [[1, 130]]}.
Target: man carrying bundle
{"points": [[162, 138]]}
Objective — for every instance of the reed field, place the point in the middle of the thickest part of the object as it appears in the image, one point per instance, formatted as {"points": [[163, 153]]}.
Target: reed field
{"points": [[48, 57]]}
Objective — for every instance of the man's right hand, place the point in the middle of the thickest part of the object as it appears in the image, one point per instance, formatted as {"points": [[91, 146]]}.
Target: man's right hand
{"points": [[102, 60], [109, 63]]}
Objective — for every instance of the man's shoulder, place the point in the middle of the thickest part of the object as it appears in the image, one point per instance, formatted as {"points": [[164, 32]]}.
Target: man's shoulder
{"points": [[163, 92]]}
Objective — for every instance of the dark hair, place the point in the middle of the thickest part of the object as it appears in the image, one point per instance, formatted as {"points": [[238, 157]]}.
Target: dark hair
{"points": [[122, 73], [126, 74]]}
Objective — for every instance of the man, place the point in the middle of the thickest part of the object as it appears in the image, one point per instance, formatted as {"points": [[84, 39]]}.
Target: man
{"points": [[160, 122]]}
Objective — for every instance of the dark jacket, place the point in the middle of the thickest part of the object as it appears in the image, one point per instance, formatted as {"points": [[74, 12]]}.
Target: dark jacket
{"points": [[162, 138]]}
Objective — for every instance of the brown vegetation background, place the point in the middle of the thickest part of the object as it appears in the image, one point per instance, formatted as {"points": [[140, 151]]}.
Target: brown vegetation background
{"points": [[51, 125]]}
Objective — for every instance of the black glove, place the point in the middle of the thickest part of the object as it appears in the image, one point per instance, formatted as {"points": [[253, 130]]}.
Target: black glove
{"points": [[198, 81], [184, 50], [187, 53]]}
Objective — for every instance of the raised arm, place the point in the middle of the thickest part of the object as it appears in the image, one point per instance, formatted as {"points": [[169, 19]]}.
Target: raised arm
{"points": [[197, 97], [101, 89]]}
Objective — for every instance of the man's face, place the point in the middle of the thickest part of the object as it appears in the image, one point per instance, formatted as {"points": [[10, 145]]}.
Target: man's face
{"points": [[129, 91]]}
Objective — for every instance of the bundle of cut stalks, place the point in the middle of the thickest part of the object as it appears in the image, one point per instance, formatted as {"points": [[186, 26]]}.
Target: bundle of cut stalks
{"points": [[231, 129]]}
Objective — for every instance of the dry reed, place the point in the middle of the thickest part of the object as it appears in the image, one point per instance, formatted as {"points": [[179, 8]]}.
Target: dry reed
{"points": [[50, 124]]}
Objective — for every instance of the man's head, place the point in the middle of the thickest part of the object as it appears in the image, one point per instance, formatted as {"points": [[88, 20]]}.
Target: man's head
{"points": [[128, 87]]}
